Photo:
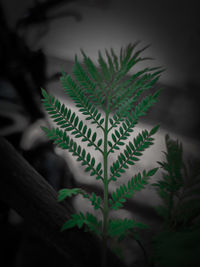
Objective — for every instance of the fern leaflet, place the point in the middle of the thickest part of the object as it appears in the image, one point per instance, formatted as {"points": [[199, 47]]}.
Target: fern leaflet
{"points": [[124, 192], [131, 153]]}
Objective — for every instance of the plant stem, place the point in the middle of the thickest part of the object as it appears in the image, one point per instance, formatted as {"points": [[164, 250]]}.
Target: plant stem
{"points": [[143, 250], [105, 210]]}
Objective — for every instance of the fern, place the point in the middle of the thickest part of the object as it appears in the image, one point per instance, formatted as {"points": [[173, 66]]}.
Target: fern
{"points": [[89, 220], [179, 189], [120, 228], [124, 192], [114, 104]]}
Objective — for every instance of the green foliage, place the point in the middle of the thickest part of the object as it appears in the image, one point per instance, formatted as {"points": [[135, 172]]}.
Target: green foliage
{"points": [[69, 121], [64, 193], [133, 150], [112, 102], [179, 188], [120, 228], [93, 198], [89, 221], [124, 192], [60, 138]]}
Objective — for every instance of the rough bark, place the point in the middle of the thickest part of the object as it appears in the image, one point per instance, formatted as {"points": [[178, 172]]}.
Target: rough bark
{"points": [[27, 192]]}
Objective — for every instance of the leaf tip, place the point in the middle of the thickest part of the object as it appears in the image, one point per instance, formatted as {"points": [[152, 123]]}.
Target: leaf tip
{"points": [[154, 129]]}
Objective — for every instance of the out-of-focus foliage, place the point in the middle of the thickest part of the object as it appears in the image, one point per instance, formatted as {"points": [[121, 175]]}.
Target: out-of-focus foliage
{"points": [[178, 242]]}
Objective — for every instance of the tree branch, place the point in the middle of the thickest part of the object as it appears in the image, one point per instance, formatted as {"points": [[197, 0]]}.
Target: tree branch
{"points": [[27, 192]]}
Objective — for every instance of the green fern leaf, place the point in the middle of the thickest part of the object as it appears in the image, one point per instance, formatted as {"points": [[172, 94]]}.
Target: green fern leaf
{"points": [[93, 198], [88, 86], [178, 188], [111, 64], [69, 224], [124, 192], [69, 121], [89, 221], [131, 153], [115, 59], [92, 224], [63, 141], [127, 61], [82, 102], [104, 68], [130, 118], [120, 228], [64, 193], [129, 92], [92, 69], [76, 220]]}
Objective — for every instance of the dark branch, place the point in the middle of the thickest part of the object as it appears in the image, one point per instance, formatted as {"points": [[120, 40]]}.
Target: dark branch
{"points": [[27, 192]]}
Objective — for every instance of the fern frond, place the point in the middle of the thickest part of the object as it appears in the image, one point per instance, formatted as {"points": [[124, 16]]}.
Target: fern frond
{"points": [[120, 135], [127, 61], [94, 199], [89, 221], [120, 228], [145, 75], [93, 224], [130, 118], [65, 142], [69, 121], [94, 73], [68, 192], [172, 179], [129, 84], [123, 102], [88, 86], [187, 209], [111, 64], [132, 91], [125, 54], [104, 68], [115, 59], [137, 183], [134, 59], [82, 102], [180, 194], [174, 158], [76, 220], [131, 153]]}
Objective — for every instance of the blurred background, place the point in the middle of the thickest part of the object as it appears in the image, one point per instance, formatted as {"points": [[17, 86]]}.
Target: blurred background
{"points": [[38, 38]]}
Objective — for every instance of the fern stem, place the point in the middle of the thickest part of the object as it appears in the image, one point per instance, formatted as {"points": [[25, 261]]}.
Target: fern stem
{"points": [[105, 208], [143, 250]]}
